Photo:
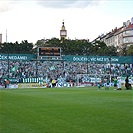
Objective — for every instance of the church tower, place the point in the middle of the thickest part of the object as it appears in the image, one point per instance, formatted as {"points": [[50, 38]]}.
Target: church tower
{"points": [[63, 32]]}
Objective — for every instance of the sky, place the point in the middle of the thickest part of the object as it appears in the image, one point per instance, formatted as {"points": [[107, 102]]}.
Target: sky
{"points": [[33, 20]]}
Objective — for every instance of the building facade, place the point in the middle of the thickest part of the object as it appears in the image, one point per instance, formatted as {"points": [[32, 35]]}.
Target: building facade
{"points": [[0, 38], [119, 37]]}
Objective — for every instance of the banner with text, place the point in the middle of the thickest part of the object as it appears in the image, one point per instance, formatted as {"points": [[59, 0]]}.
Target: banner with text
{"points": [[22, 57], [99, 59]]}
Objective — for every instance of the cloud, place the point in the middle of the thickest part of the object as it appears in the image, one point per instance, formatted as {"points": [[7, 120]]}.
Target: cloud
{"points": [[6, 5], [69, 3]]}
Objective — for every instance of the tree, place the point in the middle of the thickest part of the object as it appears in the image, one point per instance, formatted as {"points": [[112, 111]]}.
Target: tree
{"points": [[54, 42], [98, 48], [123, 51], [69, 47], [15, 48], [130, 50], [111, 50], [26, 47]]}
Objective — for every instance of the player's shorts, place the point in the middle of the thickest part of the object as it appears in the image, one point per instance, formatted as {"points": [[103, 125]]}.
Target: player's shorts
{"points": [[115, 85]]}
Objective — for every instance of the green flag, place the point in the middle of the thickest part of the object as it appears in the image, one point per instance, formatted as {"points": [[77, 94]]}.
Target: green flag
{"points": [[14, 69]]}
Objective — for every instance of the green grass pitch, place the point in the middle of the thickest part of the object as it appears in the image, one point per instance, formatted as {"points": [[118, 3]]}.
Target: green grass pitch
{"points": [[66, 110]]}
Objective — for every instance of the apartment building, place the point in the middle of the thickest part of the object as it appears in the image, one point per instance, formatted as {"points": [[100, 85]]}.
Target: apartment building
{"points": [[119, 37], [0, 38]]}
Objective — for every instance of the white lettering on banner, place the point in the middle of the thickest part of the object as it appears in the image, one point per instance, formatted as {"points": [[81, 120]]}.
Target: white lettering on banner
{"points": [[79, 59], [114, 59], [2, 57], [74, 59], [99, 59], [61, 84], [5, 57], [18, 57], [93, 59], [83, 59], [106, 59]]}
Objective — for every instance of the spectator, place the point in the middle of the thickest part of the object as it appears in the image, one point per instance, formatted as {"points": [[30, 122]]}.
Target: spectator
{"points": [[127, 83]]}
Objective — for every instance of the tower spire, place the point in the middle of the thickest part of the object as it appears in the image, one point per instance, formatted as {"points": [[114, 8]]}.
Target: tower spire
{"points": [[63, 32]]}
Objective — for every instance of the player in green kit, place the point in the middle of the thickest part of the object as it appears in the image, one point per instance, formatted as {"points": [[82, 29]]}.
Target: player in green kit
{"points": [[115, 83]]}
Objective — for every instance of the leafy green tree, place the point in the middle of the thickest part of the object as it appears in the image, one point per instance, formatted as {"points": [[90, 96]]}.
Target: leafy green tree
{"points": [[17, 48], [40, 43], [100, 48], [84, 47], [69, 47], [123, 51], [6, 47], [53, 42], [111, 50], [26, 47], [130, 50]]}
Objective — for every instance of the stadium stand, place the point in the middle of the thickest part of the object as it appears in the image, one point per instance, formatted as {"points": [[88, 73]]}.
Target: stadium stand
{"points": [[57, 69]]}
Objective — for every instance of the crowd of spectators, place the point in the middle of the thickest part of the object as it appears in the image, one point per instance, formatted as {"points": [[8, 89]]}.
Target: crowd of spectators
{"points": [[57, 69]]}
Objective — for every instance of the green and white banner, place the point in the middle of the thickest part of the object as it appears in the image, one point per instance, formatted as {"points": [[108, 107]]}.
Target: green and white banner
{"points": [[23, 57], [72, 58], [99, 59]]}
